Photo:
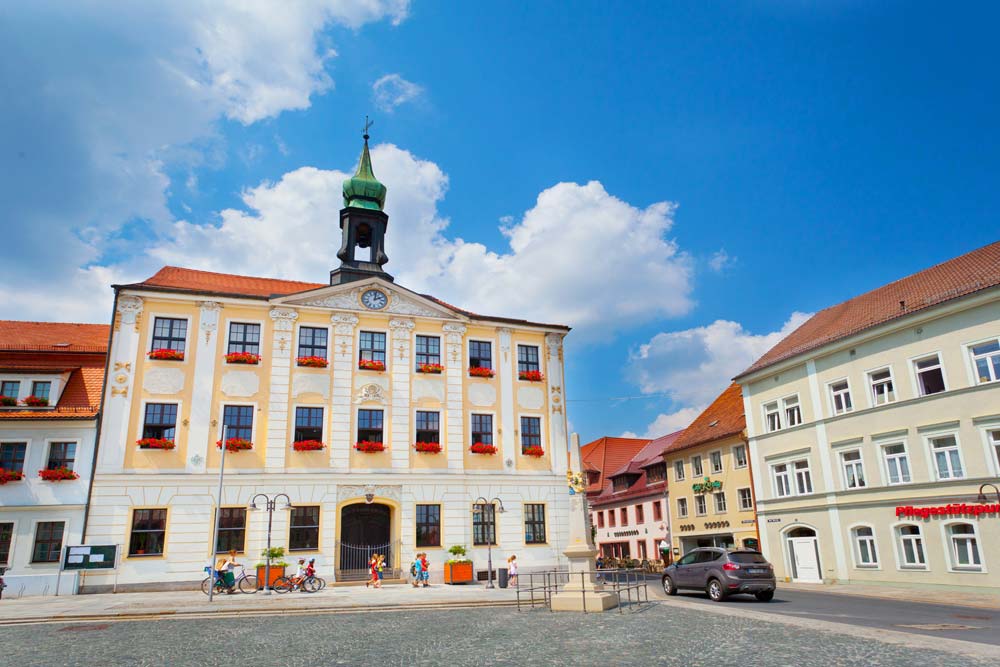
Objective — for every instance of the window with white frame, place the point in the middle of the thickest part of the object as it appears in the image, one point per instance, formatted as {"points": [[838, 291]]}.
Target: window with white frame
{"points": [[964, 547], [947, 460], [740, 456], [994, 438], [897, 464], [700, 506], [865, 552], [930, 375], [682, 507], [679, 470], [854, 470], [782, 480], [803, 478], [716, 459], [696, 468], [793, 413], [986, 359], [840, 395], [720, 502], [772, 417], [911, 546], [881, 386], [746, 499]]}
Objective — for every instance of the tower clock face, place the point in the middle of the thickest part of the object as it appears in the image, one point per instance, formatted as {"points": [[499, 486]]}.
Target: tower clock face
{"points": [[374, 299]]}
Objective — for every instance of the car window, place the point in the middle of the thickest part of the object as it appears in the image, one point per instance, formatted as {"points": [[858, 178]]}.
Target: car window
{"points": [[747, 557], [688, 558], [708, 556]]}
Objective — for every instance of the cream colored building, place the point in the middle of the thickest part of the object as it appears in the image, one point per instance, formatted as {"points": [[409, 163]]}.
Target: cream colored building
{"points": [[872, 428], [358, 359]]}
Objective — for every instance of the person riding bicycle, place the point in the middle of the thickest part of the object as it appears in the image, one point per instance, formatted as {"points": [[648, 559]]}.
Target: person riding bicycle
{"points": [[311, 568], [225, 571], [300, 574]]}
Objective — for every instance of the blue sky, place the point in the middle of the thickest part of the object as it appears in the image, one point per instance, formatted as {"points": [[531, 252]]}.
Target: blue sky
{"points": [[679, 183]]}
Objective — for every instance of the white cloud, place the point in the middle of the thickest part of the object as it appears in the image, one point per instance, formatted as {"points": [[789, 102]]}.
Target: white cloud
{"points": [[667, 423], [692, 367], [392, 90], [720, 260]]}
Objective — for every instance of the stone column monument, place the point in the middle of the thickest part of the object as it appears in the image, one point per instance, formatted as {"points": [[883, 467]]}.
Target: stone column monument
{"points": [[581, 593]]}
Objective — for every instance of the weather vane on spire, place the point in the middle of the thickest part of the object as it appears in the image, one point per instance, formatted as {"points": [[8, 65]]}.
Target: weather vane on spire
{"points": [[368, 124]]}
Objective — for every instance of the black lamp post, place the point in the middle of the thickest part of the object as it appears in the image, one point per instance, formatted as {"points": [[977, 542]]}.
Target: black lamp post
{"points": [[982, 494], [481, 504], [269, 505]]}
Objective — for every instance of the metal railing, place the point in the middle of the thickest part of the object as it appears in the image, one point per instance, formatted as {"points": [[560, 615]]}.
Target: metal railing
{"points": [[353, 560], [629, 585]]}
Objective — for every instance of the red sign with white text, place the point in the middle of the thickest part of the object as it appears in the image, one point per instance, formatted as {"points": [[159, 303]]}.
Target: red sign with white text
{"points": [[954, 509]]}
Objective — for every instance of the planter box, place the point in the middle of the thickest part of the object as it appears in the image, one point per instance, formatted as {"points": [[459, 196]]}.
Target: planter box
{"points": [[458, 573], [277, 571]]}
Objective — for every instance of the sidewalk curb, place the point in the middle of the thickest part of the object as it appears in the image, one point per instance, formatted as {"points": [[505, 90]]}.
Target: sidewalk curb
{"points": [[871, 596]]}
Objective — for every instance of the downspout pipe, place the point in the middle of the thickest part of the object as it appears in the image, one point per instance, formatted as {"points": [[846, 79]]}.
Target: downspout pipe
{"points": [[753, 492]]}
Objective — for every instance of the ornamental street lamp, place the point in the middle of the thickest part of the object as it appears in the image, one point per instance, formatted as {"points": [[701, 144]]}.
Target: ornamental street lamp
{"points": [[982, 494], [270, 506], [481, 505]]}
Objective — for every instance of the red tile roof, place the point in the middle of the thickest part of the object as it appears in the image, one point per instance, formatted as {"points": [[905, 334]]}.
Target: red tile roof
{"points": [[606, 455], [650, 454], [722, 419], [174, 278], [53, 336], [958, 277]]}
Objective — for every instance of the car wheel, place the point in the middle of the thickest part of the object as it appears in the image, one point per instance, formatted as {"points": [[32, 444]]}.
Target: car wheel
{"points": [[764, 596], [715, 591], [668, 586]]}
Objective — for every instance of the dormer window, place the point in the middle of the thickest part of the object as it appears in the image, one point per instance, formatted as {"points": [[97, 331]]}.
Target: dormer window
{"points": [[623, 482], [656, 473], [593, 477], [41, 390]]}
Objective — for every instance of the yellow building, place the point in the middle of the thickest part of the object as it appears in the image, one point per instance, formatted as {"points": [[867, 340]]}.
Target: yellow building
{"points": [[874, 433], [383, 414], [710, 487]]}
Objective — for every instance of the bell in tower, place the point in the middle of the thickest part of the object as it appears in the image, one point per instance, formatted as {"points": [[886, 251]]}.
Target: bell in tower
{"points": [[363, 225]]}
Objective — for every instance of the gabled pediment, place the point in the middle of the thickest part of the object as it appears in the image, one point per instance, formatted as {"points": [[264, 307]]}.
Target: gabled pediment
{"points": [[401, 301]]}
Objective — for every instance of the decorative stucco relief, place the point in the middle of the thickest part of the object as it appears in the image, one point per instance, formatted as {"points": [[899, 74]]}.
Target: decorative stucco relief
{"points": [[344, 323], [432, 388], [352, 491], [310, 383], [371, 393], [240, 383], [482, 395], [530, 398], [398, 304], [163, 380], [284, 318]]}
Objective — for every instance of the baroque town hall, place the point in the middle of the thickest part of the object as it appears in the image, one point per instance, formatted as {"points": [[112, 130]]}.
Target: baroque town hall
{"points": [[383, 414]]}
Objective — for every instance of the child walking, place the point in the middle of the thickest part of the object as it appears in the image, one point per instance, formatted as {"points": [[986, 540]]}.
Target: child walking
{"points": [[416, 569], [372, 571], [512, 570], [425, 570]]}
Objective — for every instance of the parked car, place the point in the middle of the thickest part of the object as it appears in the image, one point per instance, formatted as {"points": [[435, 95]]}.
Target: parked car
{"points": [[721, 573]]}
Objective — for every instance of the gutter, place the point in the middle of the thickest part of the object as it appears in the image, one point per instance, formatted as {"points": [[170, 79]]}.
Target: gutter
{"points": [[100, 417]]}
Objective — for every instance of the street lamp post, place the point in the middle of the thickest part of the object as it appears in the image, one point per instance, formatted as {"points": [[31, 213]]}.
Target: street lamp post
{"points": [[982, 494], [270, 506], [482, 503]]}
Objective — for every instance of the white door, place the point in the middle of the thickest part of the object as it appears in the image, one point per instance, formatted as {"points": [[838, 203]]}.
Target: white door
{"points": [[804, 550]]}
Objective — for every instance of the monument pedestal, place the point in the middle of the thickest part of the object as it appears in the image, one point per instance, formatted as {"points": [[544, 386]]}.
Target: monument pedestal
{"points": [[581, 593]]}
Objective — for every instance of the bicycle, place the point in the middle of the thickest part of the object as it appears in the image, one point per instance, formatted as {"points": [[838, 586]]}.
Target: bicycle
{"points": [[247, 583], [311, 584]]}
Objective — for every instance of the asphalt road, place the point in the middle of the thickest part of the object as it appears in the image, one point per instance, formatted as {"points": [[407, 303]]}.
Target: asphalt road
{"points": [[973, 624]]}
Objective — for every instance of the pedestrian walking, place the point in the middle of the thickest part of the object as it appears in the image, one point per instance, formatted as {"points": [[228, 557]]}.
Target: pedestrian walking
{"points": [[416, 567], [379, 568], [372, 571], [512, 570], [425, 570]]}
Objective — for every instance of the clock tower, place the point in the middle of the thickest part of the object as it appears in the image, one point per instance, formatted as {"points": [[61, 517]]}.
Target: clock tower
{"points": [[363, 225]]}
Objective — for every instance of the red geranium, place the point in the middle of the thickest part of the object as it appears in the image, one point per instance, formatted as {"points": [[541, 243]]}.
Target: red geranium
{"points": [[242, 358], [235, 444], [307, 445], [36, 402], [313, 362], [429, 447], [369, 446], [10, 476], [165, 354], [430, 368], [482, 448], [155, 443], [8, 401], [369, 365], [534, 450], [58, 474], [480, 372], [530, 376]]}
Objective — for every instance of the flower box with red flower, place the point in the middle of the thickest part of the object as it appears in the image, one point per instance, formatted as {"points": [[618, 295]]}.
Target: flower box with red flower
{"points": [[36, 402], [430, 368], [312, 362], [165, 354], [235, 444], [530, 376], [58, 474], [8, 402], [369, 447], [428, 447], [308, 446], [243, 358], [534, 450], [483, 448], [10, 476], [155, 443], [369, 365], [480, 372]]}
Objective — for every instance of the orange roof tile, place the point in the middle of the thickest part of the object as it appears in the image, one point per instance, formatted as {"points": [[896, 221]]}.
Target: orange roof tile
{"points": [[607, 455], [722, 419], [53, 336], [958, 277]]}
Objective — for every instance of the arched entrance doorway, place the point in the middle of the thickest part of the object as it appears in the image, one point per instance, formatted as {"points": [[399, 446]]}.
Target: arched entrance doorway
{"points": [[364, 530], [803, 555]]}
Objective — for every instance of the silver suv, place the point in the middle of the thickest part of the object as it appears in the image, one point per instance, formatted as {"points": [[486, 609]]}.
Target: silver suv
{"points": [[721, 573]]}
